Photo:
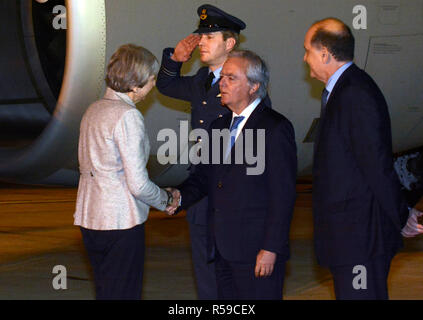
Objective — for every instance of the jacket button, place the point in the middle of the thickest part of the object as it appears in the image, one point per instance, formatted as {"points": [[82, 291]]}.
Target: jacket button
{"points": [[220, 116], [204, 102], [201, 121], [219, 185]]}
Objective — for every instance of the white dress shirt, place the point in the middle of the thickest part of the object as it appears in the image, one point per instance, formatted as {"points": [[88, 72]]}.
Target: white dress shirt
{"points": [[246, 113]]}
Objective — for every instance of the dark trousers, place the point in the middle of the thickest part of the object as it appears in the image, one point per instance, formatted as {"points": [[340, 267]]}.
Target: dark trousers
{"points": [[117, 259], [372, 275], [237, 281], [205, 272]]}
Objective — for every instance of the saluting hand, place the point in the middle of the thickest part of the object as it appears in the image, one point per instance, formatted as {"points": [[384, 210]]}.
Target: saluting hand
{"points": [[185, 47]]}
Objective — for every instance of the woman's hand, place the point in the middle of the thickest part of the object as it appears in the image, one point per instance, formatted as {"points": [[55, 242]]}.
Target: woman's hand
{"points": [[170, 209]]}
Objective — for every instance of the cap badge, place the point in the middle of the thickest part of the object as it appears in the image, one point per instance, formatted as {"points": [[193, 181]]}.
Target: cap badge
{"points": [[203, 14]]}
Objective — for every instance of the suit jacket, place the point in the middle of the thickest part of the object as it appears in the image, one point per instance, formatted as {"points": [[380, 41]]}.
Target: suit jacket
{"points": [[358, 207], [247, 213], [114, 189], [205, 107]]}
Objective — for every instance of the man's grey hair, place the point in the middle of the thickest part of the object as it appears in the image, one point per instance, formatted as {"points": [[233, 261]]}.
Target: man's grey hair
{"points": [[257, 71]]}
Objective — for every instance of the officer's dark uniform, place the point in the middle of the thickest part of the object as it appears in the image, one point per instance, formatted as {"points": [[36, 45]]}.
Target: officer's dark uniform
{"points": [[205, 108]]}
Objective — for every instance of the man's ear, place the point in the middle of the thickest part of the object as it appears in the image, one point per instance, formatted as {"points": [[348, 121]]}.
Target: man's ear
{"points": [[325, 55], [230, 44], [254, 88]]}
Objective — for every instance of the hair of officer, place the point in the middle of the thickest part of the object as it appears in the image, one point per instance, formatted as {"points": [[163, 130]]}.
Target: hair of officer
{"points": [[231, 34], [130, 66], [339, 40], [257, 71]]}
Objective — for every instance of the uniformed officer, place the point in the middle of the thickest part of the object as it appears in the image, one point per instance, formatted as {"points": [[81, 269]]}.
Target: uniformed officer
{"points": [[217, 35]]}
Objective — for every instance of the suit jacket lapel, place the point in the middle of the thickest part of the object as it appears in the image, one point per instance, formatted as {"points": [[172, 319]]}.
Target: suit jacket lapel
{"points": [[202, 78], [254, 117], [339, 84], [224, 124], [329, 105], [214, 90]]}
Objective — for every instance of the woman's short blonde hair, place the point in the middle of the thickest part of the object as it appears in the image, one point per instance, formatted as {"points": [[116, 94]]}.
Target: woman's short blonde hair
{"points": [[130, 66]]}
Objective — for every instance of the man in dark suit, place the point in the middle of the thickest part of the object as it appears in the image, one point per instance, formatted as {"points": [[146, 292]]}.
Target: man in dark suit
{"points": [[217, 35], [358, 208], [249, 212]]}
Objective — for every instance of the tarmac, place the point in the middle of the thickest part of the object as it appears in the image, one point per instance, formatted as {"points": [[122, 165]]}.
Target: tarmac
{"points": [[37, 235]]}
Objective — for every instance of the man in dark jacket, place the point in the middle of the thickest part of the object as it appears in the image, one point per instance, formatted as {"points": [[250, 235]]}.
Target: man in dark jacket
{"points": [[250, 205], [358, 207]]}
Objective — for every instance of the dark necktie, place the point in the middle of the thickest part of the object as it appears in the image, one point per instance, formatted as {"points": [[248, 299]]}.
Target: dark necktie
{"points": [[325, 94], [209, 81]]}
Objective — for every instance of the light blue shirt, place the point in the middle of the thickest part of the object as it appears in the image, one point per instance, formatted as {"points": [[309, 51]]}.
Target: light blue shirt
{"points": [[334, 79], [216, 75]]}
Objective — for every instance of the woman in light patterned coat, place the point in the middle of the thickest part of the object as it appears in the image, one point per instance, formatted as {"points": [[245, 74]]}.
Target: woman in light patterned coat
{"points": [[115, 192]]}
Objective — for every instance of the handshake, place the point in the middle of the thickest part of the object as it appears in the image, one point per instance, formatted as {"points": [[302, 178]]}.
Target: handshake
{"points": [[176, 195]]}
